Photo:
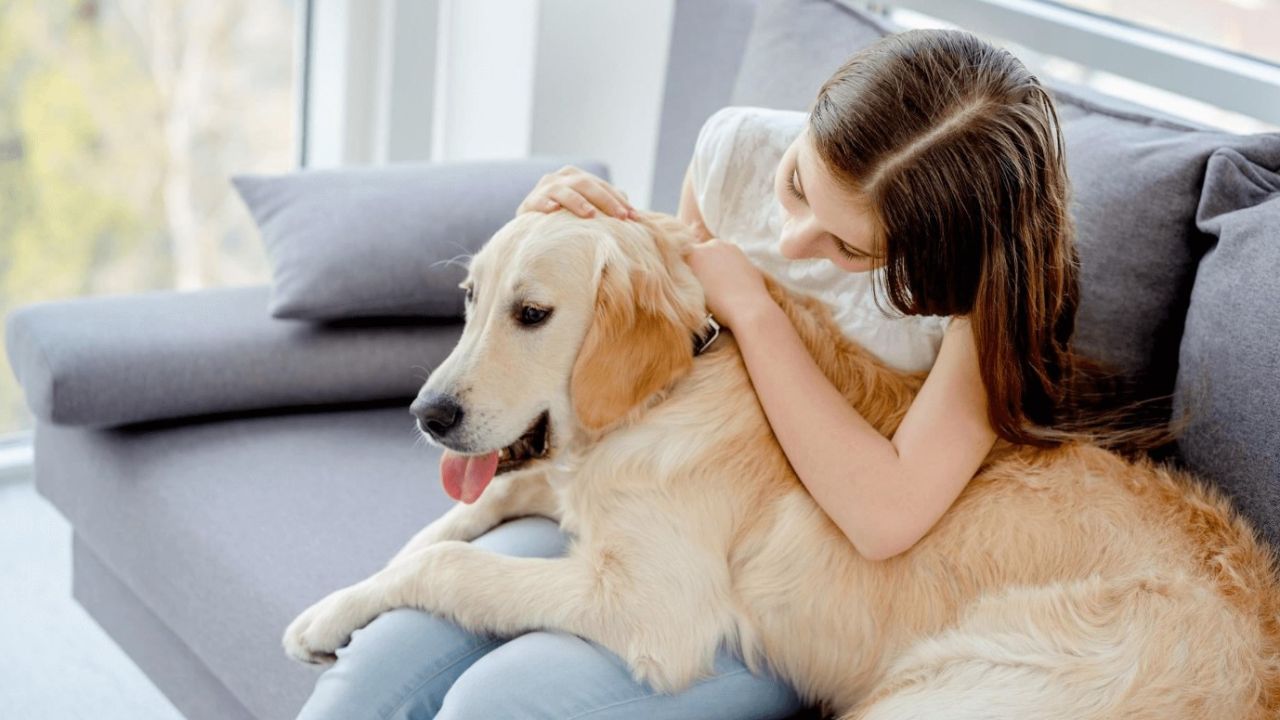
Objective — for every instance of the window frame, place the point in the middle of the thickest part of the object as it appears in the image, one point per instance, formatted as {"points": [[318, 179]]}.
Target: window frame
{"points": [[302, 41], [368, 79], [1217, 76], [17, 455]]}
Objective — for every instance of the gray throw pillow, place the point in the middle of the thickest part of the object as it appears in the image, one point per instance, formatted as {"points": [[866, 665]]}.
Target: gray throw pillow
{"points": [[383, 241], [1136, 183], [1229, 364]]}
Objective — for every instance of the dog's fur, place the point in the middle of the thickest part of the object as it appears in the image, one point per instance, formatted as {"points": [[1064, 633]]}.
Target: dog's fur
{"points": [[1065, 583]]}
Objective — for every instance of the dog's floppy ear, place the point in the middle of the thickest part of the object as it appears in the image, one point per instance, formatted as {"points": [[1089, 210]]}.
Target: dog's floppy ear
{"points": [[632, 349]]}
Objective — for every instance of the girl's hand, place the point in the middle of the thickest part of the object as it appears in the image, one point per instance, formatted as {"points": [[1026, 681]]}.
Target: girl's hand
{"points": [[579, 192], [732, 283]]}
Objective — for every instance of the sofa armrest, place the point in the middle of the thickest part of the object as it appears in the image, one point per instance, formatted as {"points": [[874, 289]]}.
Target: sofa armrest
{"points": [[108, 361]]}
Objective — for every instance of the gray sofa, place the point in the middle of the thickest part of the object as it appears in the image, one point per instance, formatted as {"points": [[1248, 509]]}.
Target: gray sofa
{"points": [[223, 469]]}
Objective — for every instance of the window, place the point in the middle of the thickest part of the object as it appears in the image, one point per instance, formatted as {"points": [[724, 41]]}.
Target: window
{"points": [[120, 125], [1249, 27], [1136, 50]]}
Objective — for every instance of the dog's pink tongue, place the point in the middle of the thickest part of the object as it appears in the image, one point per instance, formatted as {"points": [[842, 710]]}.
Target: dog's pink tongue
{"points": [[466, 476]]}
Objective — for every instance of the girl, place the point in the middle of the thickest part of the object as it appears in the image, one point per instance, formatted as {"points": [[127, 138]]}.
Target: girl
{"points": [[924, 198]]}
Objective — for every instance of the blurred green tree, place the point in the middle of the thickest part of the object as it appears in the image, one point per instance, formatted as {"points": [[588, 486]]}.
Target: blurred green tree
{"points": [[120, 121]]}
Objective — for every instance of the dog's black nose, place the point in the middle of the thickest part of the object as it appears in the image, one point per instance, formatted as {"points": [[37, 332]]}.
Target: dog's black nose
{"points": [[437, 414]]}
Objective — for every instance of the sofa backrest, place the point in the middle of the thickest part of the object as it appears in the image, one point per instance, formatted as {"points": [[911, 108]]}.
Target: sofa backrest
{"points": [[1174, 261], [708, 38]]}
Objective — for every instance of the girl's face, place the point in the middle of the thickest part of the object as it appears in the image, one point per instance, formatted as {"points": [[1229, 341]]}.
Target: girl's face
{"points": [[821, 219]]}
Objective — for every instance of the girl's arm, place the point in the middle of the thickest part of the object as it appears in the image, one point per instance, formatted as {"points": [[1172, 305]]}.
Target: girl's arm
{"points": [[883, 494], [688, 208]]}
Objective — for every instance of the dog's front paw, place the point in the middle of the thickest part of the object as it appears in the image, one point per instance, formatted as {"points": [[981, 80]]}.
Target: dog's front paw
{"points": [[316, 634]]}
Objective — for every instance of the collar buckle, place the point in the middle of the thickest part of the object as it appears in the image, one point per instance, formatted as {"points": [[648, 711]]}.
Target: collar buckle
{"points": [[700, 342]]}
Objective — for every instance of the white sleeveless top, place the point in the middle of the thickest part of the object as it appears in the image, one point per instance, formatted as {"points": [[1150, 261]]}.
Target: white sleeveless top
{"points": [[734, 162]]}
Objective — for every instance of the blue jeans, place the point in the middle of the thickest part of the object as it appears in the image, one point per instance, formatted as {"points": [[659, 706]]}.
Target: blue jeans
{"points": [[411, 664]]}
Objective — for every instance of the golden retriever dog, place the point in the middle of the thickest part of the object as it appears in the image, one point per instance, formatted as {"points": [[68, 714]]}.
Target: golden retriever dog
{"points": [[1063, 584]]}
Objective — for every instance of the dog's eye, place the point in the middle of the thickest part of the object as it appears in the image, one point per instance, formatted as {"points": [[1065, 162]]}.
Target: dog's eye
{"points": [[532, 315]]}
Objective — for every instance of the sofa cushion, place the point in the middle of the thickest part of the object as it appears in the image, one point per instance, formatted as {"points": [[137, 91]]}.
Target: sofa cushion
{"points": [[383, 241], [169, 664], [1135, 177], [1229, 370], [228, 529]]}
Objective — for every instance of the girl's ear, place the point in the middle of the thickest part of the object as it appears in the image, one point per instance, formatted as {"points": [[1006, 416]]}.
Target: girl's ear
{"points": [[631, 351]]}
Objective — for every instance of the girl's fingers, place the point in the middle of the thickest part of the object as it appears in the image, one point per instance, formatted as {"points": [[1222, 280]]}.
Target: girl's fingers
{"points": [[579, 192], [537, 202], [572, 200], [632, 213], [624, 209], [628, 210], [604, 197]]}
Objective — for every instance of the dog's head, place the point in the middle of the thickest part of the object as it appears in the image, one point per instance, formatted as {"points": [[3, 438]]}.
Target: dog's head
{"points": [[570, 325]]}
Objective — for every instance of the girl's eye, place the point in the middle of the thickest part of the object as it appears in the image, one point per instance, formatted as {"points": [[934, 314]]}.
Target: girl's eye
{"points": [[532, 315], [470, 293], [791, 186], [848, 252]]}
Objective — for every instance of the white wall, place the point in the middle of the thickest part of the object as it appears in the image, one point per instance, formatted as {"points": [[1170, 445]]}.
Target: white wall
{"points": [[485, 70], [372, 78], [340, 97], [598, 90], [406, 81], [457, 80]]}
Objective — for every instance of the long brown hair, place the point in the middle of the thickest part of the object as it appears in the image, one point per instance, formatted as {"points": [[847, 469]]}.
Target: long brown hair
{"points": [[957, 147]]}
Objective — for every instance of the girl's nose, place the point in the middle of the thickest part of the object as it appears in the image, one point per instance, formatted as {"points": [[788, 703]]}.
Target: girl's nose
{"points": [[798, 241]]}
